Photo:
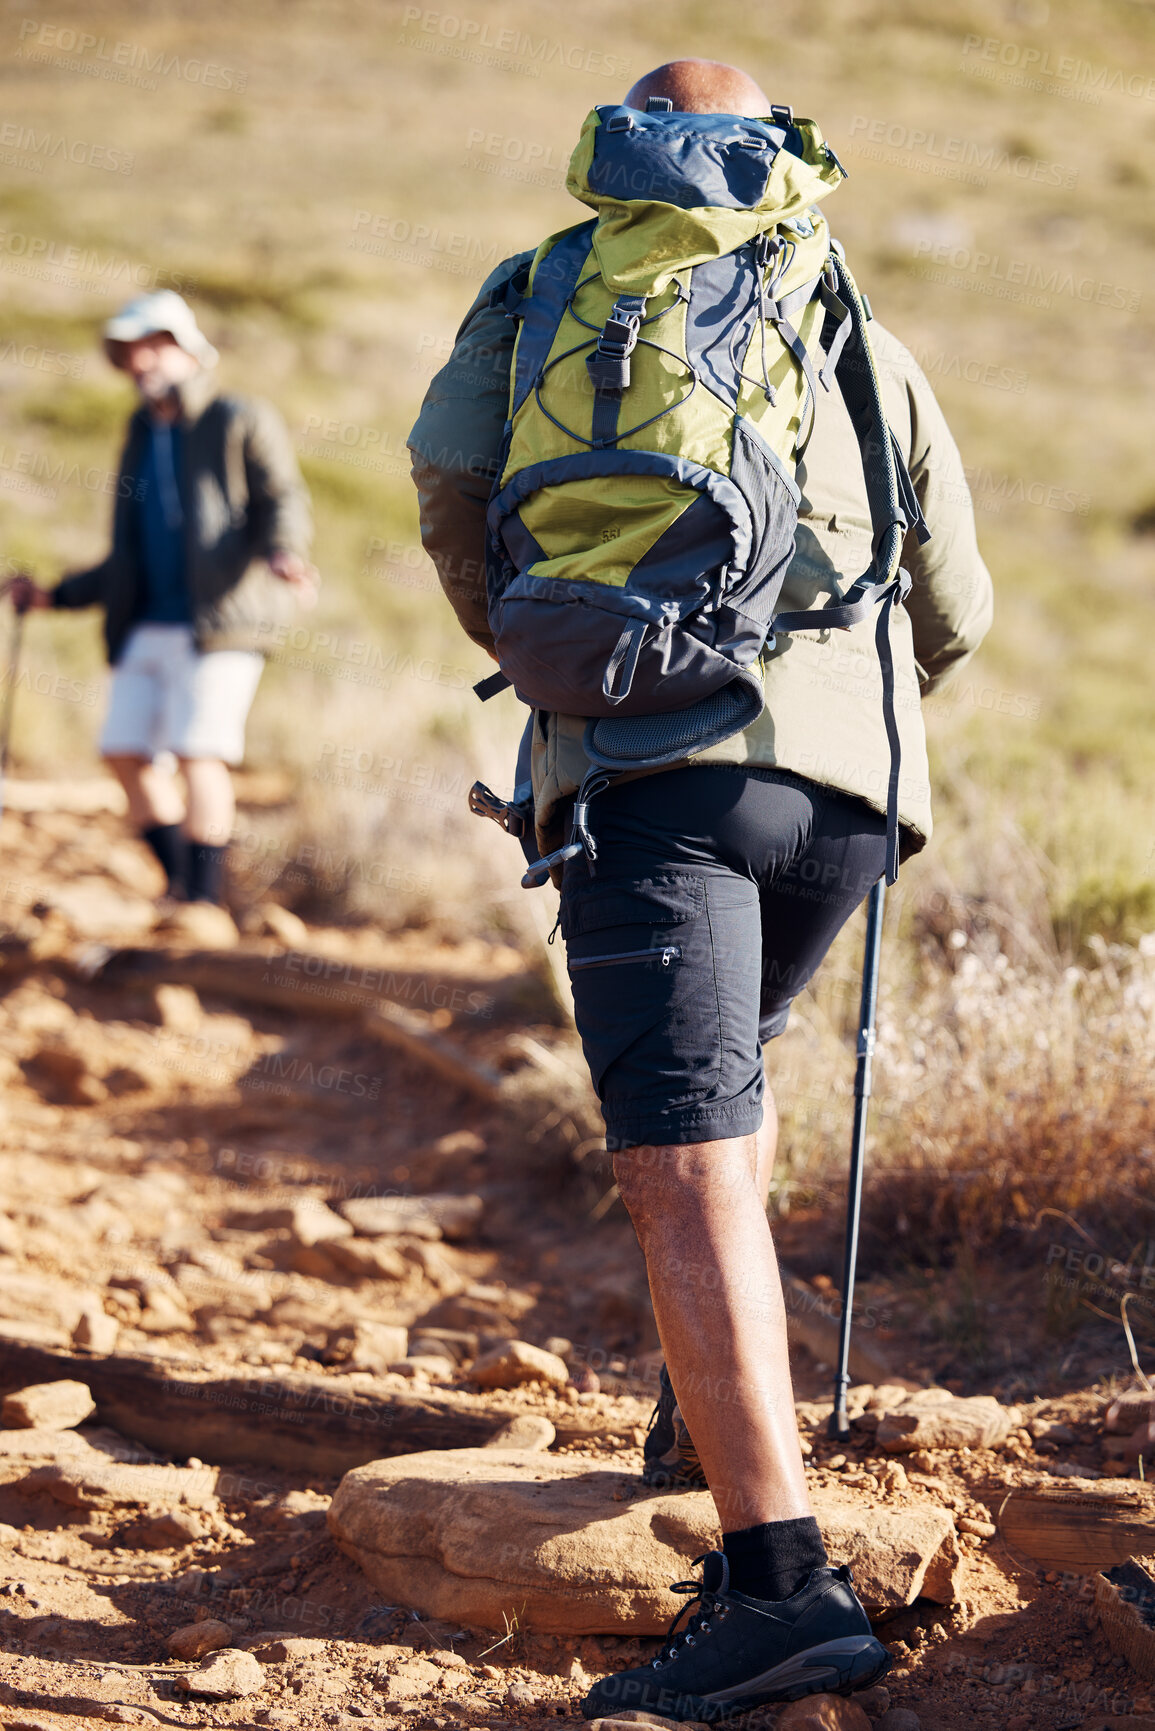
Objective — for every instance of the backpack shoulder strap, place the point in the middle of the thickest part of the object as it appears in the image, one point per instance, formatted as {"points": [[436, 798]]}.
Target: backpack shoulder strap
{"points": [[553, 279], [894, 511]]}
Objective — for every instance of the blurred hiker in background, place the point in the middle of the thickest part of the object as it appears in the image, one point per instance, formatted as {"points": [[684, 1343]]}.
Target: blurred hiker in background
{"points": [[721, 881], [210, 538]]}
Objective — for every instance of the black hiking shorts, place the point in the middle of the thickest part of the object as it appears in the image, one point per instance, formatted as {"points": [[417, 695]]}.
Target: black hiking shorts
{"points": [[719, 889]]}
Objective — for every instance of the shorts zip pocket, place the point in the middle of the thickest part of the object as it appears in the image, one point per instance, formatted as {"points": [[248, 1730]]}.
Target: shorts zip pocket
{"points": [[667, 954]]}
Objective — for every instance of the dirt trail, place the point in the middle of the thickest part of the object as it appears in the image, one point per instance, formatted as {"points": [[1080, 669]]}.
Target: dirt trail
{"points": [[175, 1164]]}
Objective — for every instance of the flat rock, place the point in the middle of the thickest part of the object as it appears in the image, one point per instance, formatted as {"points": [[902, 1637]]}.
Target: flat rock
{"points": [[281, 923], [529, 1430], [899, 1719], [515, 1362], [1095, 1527], [34, 1302], [227, 1675], [459, 1344], [921, 1423], [370, 1345], [21, 1448], [47, 1406], [94, 908], [178, 1008], [470, 1535], [438, 1216], [200, 925], [283, 1648], [301, 1508], [630, 1720], [15, 1720], [1127, 1411], [93, 1481], [822, 1713], [368, 1258], [434, 1366], [171, 1530], [313, 1222], [96, 1331], [194, 1640]]}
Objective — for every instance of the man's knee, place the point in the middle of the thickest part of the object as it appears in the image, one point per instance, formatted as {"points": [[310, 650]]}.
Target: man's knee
{"points": [[656, 1179]]}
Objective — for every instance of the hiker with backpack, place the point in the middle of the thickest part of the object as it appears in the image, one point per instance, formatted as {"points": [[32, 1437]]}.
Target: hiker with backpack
{"points": [[210, 538], [728, 546]]}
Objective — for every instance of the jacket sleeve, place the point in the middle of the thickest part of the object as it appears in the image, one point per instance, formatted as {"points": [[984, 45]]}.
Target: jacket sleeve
{"points": [[280, 517], [82, 588], [951, 602], [456, 447]]}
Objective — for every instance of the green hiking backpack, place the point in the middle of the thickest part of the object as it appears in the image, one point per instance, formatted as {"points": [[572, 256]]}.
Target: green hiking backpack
{"points": [[663, 387]]}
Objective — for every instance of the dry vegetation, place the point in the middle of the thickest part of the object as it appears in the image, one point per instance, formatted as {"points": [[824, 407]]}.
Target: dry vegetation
{"points": [[1019, 1007]]}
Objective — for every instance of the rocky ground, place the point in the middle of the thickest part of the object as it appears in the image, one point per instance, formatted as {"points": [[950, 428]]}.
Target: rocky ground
{"points": [[229, 1185]]}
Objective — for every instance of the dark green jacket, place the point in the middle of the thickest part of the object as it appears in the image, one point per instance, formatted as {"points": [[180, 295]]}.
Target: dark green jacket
{"points": [[245, 500], [824, 715]]}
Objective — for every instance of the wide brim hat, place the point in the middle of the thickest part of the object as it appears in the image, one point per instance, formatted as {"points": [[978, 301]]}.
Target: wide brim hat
{"points": [[149, 315]]}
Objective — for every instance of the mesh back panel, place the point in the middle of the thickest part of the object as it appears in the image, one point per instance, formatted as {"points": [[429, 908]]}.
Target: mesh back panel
{"points": [[639, 741]]}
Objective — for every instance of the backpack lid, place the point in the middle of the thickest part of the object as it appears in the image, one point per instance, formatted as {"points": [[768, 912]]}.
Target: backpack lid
{"points": [[674, 189]]}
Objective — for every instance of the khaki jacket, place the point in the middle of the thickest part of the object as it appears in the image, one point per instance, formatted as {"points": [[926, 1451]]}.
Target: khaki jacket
{"points": [[245, 500], [824, 715]]}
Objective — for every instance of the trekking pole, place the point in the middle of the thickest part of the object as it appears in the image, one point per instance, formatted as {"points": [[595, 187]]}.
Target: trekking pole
{"points": [[839, 1425], [14, 646]]}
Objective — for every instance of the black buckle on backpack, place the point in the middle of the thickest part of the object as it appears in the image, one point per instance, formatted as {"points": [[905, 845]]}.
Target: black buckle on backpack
{"points": [[609, 364]]}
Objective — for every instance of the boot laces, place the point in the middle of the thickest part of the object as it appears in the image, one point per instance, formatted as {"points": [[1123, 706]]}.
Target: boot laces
{"points": [[699, 1623]]}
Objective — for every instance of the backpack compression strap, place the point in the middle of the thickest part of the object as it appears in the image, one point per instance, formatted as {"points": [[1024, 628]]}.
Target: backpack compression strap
{"points": [[894, 511]]}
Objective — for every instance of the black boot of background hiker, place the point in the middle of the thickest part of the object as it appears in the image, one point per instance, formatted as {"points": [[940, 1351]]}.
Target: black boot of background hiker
{"points": [[670, 1460]]}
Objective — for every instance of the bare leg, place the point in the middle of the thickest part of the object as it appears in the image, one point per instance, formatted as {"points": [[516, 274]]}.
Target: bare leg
{"points": [[767, 1147], [211, 802], [154, 794], [701, 1223]]}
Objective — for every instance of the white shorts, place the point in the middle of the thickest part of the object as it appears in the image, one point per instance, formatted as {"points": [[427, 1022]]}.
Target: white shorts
{"points": [[167, 697]]}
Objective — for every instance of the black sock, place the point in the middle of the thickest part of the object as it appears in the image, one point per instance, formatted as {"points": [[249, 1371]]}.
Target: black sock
{"points": [[169, 844], [773, 1561], [206, 870]]}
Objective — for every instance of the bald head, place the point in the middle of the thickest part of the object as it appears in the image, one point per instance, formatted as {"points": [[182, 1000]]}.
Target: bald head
{"points": [[701, 87]]}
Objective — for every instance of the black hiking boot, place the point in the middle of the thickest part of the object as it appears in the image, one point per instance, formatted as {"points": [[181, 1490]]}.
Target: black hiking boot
{"points": [[670, 1460], [737, 1652]]}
